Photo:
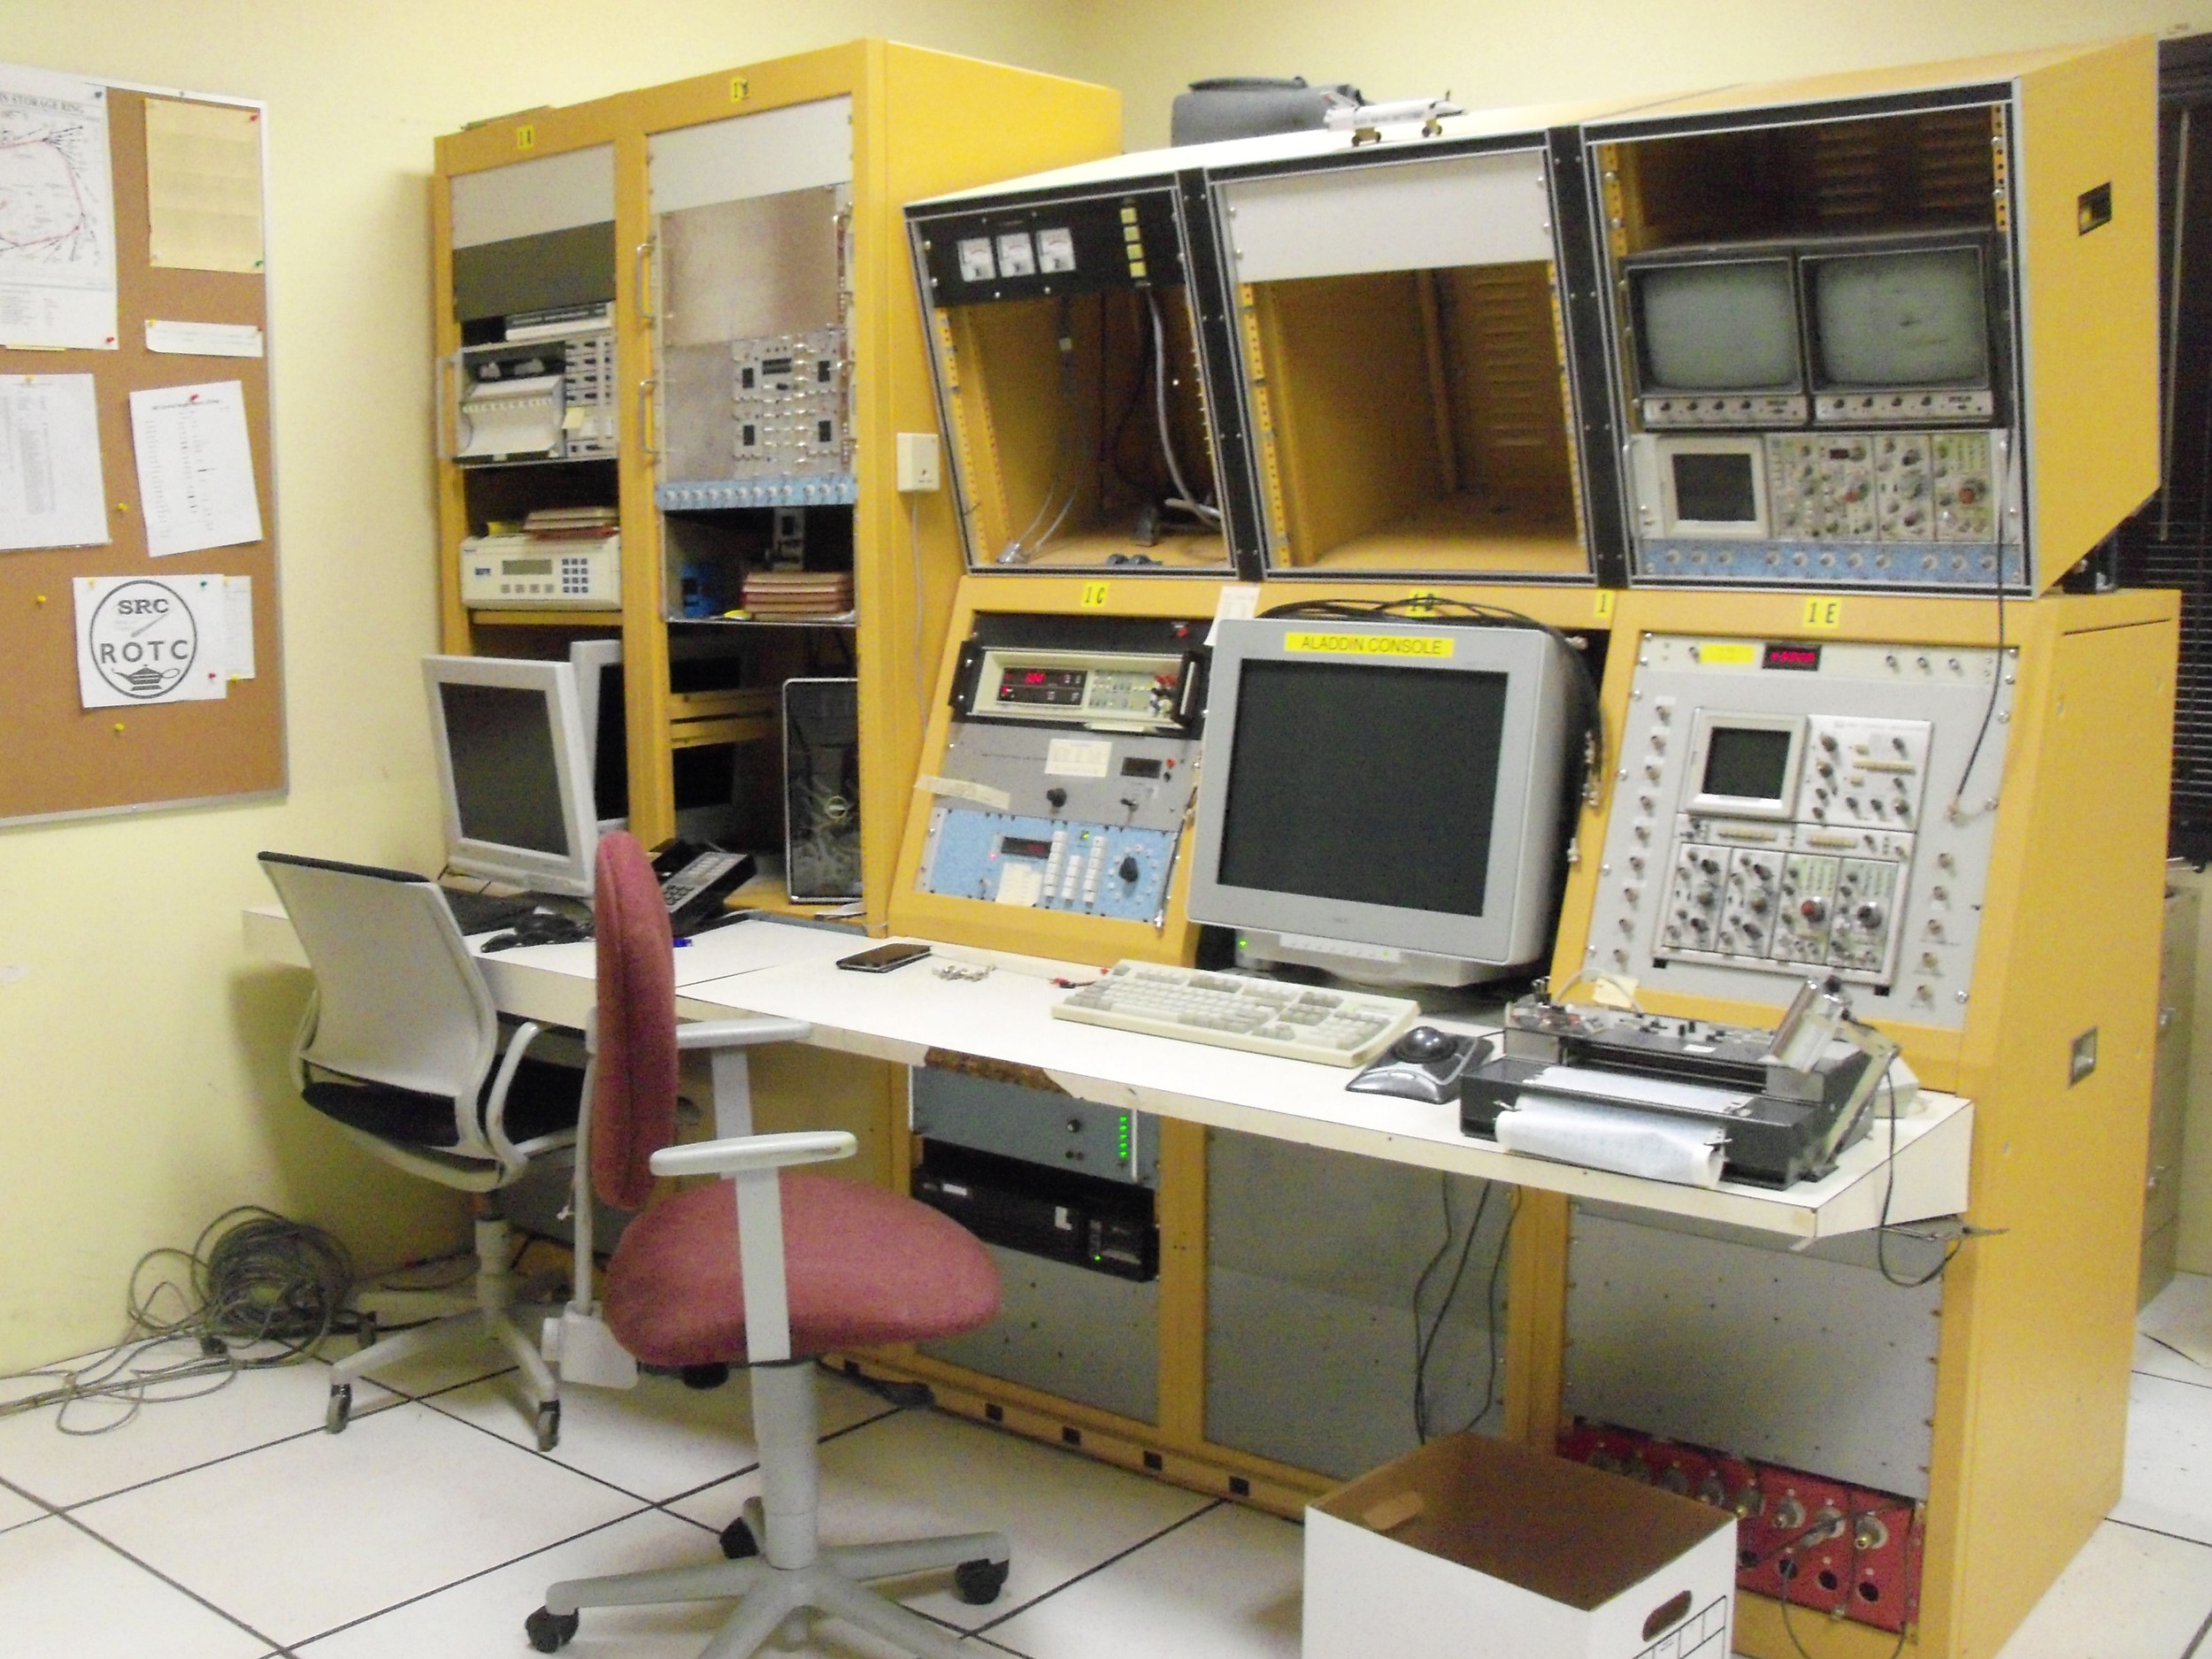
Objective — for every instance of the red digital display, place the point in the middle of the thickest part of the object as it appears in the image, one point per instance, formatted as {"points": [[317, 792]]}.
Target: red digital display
{"points": [[1803, 659], [1034, 677]]}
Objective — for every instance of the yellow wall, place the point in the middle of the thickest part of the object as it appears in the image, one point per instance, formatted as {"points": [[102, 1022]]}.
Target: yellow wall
{"points": [[141, 1089], [1490, 52]]}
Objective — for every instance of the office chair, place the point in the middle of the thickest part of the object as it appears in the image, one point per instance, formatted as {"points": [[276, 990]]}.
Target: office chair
{"points": [[765, 1268], [400, 1046]]}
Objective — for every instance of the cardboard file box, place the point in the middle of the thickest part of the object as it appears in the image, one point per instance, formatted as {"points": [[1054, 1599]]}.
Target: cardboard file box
{"points": [[1473, 1549]]}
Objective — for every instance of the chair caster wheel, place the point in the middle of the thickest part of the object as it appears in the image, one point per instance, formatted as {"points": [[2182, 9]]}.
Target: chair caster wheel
{"points": [[549, 1631], [549, 1431], [710, 1376], [738, 1542], [339, 1412], [980, 1582], [364, 1331]]}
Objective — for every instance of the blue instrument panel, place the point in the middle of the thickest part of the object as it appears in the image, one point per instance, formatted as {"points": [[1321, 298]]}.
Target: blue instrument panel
{"points": [[1048, 863]]}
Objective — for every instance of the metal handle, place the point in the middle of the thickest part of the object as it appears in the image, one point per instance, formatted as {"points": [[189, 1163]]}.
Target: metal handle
{"points": [[443, 381], [640, 273], [645, 388]]}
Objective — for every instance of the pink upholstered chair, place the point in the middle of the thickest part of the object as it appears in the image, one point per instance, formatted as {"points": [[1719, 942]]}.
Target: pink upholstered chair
{"points": [[764, 1268]]}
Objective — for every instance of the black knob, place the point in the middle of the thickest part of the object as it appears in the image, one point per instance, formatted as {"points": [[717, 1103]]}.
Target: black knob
{"points": [[1128, 869], [1056, 797]]}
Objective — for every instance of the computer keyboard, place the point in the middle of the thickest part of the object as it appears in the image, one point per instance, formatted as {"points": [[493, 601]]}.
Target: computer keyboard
{"points": [[487, 912], [1232, 1011]]}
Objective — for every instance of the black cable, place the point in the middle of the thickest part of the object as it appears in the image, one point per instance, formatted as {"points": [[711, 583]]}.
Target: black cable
{"points": [[1889, 1192], [1443, 1313], [1997, 677], [1420, 1289], [1494, 1355], [1903, 1631]]}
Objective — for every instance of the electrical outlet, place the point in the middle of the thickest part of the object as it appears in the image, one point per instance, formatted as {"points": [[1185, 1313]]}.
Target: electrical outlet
{"points": [[918, 466]]}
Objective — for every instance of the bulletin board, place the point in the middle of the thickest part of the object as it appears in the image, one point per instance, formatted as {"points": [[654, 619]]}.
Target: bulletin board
{"points": [[185, 255]]}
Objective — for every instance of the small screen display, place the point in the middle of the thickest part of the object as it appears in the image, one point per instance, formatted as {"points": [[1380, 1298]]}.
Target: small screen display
{"points": [[1748, 763], [1711, 488], [1024, 847], [1139, 766], [1373, 784], [505, 782], [1901, 320], [1718, 328], [1063, 687], [527, 567]]}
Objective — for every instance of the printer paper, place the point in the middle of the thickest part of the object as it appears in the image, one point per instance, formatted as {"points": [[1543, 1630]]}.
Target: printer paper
{"points": [[52, 492], [152, 639], [56, 212], [1682, 1150], [194, 467], [513, 417]]}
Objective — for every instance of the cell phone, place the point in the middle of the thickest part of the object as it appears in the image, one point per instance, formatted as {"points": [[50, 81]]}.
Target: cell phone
{"points": [[883, 958]]}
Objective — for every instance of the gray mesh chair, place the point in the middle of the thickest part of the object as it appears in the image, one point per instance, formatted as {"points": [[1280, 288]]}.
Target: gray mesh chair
{"points": [[401, 1047]]}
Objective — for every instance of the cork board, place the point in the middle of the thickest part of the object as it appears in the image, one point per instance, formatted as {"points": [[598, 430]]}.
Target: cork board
{"points": [[56, 757]]}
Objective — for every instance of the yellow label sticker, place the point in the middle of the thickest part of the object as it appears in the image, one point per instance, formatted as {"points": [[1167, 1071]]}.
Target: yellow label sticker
{"points": [[1728, 654], [1824, 613], [525, 137], [1372, 644], [740, 90], [1093, 595], [1604, 606]]}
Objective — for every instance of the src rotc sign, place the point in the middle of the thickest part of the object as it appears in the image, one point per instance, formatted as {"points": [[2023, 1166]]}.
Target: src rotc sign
{"points": [[144, 639]]}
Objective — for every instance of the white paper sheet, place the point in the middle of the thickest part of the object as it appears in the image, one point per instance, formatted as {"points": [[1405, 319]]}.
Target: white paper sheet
{"points": [[204, 340], [238, 624], [152, 639], [513, 417], [56, 212], [194, 467], [52, 492]]}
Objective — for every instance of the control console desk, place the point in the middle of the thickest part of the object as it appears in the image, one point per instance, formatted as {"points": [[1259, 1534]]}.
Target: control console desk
{"points": [[1004, 1022]]}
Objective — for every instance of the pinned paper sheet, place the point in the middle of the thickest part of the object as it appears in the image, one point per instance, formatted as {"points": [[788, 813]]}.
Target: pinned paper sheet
{"points": [[204, 339], [56, 212], [52, 493], [238, 625], [1237, 602], [152, 639], [961, 789], [194, 467], [203, 186]]}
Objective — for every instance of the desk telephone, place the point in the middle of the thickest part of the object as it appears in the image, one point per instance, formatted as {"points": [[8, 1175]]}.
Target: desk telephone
{"points": [[695, 878]]}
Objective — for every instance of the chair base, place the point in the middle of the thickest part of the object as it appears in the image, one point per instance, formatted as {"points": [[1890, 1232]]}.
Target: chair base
{"points": [[774, 1599], [482, 1314]]}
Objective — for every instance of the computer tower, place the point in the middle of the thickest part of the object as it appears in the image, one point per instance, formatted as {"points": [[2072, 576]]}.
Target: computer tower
{"points": [[821, 776]]}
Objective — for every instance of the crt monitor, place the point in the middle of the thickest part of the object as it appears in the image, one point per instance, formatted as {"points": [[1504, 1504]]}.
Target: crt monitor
{"points": [[513, 771], [1716, 326], [1385, 800], [1898, 318]]}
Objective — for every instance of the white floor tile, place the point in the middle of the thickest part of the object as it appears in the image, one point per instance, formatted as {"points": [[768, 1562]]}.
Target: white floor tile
{"points": [[657, 1440], [183, 1430], [2128, 1596], [2154, 1358], [304, 1536], [925, 1473], [1225, 1586], [484, 1617], [2180, 1316], [63, 1594], [456, 1360], [17, 1511], [2169, 1486]]}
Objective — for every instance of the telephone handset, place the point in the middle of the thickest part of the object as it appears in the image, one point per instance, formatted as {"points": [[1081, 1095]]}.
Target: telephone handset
{"points": [[695, 878]]}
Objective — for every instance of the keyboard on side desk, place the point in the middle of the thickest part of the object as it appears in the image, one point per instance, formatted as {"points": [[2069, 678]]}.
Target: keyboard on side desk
{"points": [[1232, 1011]]}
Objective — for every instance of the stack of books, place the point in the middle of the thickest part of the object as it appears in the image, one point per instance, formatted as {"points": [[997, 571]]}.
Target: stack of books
{"points": [[572, 524], [796, 593]]}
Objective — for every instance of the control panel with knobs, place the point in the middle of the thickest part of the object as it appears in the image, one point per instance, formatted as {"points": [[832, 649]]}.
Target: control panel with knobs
{"points": [[1782, 808]]}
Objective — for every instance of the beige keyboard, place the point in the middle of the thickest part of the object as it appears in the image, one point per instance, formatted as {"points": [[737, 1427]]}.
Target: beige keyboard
{"points": [[1232, 1011]]}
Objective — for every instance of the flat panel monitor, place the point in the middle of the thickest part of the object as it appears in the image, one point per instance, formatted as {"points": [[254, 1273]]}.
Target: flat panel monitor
{"points": [[1716, 326], [514, 775], [1898, 320], [1386, 800]]}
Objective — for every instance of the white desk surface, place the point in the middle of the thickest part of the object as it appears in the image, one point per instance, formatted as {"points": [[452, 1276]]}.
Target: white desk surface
{"points": [[762, 967]]}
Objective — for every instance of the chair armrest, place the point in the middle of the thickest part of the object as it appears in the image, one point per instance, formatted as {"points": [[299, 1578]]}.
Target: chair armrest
{"points": [[746, 1155], [740, 1033]]}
